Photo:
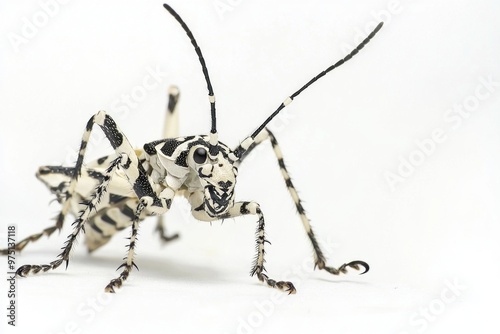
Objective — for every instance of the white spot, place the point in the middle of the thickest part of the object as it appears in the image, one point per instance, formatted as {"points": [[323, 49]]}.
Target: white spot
{"points": [[173, 90], [167, 193], [246, 143], [213, 139], [287, 101], [99, 117]]}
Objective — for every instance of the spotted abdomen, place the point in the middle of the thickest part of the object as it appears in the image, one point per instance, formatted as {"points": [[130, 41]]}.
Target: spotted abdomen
{"points": [[115, 211], [107, 221]]}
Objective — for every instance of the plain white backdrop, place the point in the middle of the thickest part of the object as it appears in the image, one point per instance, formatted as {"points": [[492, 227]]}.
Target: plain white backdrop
{"points": [[395, 154]]}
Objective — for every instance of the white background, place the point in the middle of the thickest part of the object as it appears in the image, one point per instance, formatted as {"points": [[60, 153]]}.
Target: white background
{"points": [[437, 226]]}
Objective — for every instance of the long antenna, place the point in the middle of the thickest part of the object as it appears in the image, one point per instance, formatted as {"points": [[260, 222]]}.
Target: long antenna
{"points": [[313, 80], [211, 96]]}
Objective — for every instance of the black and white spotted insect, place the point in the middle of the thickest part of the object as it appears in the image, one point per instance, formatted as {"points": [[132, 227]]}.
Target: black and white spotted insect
{"points": [[122, 189]]}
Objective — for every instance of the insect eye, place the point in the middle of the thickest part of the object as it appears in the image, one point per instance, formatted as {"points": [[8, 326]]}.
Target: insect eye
{"points": [[200, 155]]}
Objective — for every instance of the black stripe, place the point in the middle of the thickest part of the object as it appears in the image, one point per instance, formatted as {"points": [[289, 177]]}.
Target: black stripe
{"points": [[170, 146], [107, 219], [182, 159], [281, 162], [273, 140], [172, 101], [90, 123], [95, 174], [100, 161], [142, 187], [127, 211], [68, 171], [127, 164], [243, 209], [112, 133], [300, 208], [95, 227], [113, 198]]}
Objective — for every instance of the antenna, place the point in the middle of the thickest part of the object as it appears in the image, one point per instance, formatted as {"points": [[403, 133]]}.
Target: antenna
{"points": [[289, 99], [211, 96]]}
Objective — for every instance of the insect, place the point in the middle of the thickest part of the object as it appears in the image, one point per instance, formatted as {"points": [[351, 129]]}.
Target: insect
{"points": [[120, 190]]}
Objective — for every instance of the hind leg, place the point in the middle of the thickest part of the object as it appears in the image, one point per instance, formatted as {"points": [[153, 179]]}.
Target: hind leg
{"points": [[170, 130], [128, 162], [57, 180], [160, 228]]}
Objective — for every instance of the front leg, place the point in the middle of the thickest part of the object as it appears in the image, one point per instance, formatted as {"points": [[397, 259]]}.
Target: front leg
{"points": [[319, 259], [253, 208], [128, 263]]}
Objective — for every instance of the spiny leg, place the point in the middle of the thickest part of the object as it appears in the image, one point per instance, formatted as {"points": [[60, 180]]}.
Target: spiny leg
{"points": [[319, 258], [145, 202], [78, 226], [128, 163], [73, 174], [63, 195], [258, 269], [34, 237], [249, 143], [141, 186], [116, 139], [129, 258]]}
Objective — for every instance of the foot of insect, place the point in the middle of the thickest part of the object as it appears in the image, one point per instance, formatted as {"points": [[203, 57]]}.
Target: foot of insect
{"points": [[27, 269], [281, 285], [118, 282], [34, 237], [284, 286], [343, 268]]}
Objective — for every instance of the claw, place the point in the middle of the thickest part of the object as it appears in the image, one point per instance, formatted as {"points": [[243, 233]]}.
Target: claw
{"points": [[286, 287], [291, 290], [136, 267], [23, 270], [109, 288], [356, 264]]}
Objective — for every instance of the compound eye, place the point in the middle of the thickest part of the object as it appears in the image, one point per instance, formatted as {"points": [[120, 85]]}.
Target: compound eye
{"points": [[200, 155]]}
